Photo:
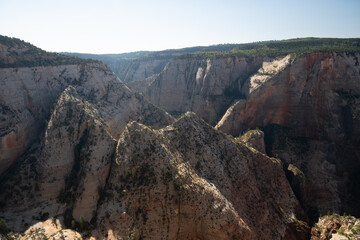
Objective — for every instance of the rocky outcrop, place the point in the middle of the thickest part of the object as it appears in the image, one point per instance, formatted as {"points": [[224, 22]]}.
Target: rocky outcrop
{"points": [[49, 229], [204, 86], [310, 115], [253, 138], [336, 227], [268, 70], [118, 105], [231, 117], [64, 175], [160, 185], [165, 186], [28, 95]]}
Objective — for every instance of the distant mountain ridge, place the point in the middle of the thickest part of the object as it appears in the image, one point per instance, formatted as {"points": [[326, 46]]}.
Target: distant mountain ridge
{"points": [[125, 64]]}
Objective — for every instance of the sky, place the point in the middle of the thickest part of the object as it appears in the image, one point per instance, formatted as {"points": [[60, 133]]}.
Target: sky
{"points": [[117, 26]]}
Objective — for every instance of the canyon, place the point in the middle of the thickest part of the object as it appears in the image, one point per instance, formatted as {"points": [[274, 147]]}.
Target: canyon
{"points": [[205, 143]]}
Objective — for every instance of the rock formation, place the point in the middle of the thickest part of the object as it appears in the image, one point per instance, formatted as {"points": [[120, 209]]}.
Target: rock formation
{"points": [[49, 229], [336, 227], [307, 105], [137, 66], [204, 86], [141, 85], [28, 95], [66, 172], [253, 138], [160, 185], [141, 69], [164, 186], [310, 115], [82, 155]]}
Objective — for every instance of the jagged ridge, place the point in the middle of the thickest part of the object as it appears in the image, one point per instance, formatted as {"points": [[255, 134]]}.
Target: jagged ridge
{"points": [[210, 187]]}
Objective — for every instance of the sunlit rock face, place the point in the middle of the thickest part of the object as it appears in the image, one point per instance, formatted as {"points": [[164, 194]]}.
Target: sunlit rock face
{"points": [[165, 186], [79, 148], [28, 95], [311, 118]]}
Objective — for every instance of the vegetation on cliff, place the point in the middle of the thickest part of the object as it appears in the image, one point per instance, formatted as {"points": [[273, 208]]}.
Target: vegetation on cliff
{"points": [[335, 226], [281, 48], [124, 63], [17, 53]]}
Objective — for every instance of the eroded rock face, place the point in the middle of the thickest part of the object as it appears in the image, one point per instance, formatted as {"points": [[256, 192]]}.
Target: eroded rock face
{"points": [[307, 96], [310, 115], [165, 186], [65, 174], [204, 86], [141, 85], [160, 185], [270, 67], [142, 69], [186, 180], [28, 95], [253, 138]]}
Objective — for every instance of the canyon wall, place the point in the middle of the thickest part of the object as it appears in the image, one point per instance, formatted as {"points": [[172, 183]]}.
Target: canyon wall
{"points": [[141, 69], [79, 148], [204, 86], [28, 95], [154, 182], [311, 117]]}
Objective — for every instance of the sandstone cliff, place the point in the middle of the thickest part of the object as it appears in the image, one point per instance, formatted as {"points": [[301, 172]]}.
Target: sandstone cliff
{"points": [[63, 175], [204, 86], [141, 69], [28, 95], [77, 161], [159, 186], [310, 115], [164, 186]]}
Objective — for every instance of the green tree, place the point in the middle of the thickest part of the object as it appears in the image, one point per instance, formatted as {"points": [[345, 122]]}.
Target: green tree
{"points": [[83, 224], [3, 226], [73, 224]]}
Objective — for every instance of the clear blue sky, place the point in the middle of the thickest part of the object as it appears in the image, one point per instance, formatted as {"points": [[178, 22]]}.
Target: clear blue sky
{"points": [[115, 26]]}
